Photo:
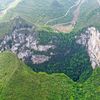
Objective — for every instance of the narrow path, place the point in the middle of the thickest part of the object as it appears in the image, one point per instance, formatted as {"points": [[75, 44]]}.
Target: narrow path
{"points": [[67, 27], [75, 15], [67, 12]]}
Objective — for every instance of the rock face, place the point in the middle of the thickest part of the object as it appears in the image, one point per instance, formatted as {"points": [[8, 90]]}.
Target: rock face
{"points": [[38, 59], [24, 42], [91, 40]]}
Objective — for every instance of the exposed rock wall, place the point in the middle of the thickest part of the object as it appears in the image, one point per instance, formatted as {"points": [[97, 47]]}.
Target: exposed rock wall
{"points": [[91, 40], [24, 42]]}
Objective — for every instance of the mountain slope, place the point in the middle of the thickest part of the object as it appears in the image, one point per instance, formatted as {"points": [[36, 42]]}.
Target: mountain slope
{"points": [[7, 69], [25, 84], [90, 89], [40, 12], [57, 12], [89, 15], [45, 50], [92, 86]]}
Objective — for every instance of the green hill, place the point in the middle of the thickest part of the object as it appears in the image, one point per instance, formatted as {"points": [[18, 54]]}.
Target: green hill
{"points": [[92, 86], [21, 83], [18, 82]]}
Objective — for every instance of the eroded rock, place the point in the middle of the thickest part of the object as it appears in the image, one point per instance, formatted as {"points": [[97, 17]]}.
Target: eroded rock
{"points": [[91, 40]]}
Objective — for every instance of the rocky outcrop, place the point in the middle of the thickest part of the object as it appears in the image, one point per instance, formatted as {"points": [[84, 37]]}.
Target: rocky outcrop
{"points": [[91, 40], [38, 59], [24, 42]]}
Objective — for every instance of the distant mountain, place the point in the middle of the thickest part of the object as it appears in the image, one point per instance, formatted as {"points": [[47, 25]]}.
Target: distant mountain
{"points": [[47, 12], [40, 11]]}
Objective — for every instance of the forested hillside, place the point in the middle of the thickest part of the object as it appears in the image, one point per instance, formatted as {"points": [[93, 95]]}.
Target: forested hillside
{"points": [[20, 82], [46, 50]]}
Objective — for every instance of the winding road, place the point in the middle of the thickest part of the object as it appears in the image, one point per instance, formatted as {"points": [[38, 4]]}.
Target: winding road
{"points": [[63, 26], [67, 12], [67, 27]]}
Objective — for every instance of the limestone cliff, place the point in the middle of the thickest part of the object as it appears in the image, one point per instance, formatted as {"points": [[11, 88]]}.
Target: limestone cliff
{"points": [[91, 40]]}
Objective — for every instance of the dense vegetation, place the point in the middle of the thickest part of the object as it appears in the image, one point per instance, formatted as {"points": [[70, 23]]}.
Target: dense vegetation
{"points": [[69, 56], [21, 83]]}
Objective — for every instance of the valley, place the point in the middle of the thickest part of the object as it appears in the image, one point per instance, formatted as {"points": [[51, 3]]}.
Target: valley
{"points": [[49, 49]]}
